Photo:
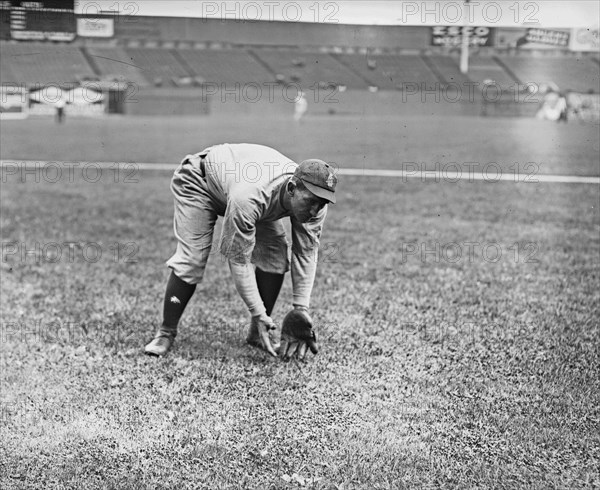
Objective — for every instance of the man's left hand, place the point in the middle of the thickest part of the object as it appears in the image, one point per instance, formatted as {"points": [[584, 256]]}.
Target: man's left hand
{"points": [[297, 334]]}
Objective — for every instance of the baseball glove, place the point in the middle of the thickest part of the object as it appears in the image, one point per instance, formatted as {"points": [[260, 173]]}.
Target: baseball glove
{"points": [[297, 334]]}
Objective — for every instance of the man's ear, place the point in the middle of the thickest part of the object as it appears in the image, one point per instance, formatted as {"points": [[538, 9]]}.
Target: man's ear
{"points": [[291, 187]]}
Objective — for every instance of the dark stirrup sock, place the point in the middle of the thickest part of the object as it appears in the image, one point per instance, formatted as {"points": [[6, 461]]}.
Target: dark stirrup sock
{"points": [[269, 285], [177, 295]]}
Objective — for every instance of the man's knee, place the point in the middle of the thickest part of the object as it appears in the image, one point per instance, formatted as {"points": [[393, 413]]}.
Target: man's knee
{"points": [[188, 270]]}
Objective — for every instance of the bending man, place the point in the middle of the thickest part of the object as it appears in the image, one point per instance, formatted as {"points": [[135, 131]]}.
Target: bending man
{"points": [[253, 187]]}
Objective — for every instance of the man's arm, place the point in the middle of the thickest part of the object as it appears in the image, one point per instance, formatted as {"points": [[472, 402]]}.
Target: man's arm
{"points": [[298, 336], [238, 238], [305, 253], [245, 284], [304, 269]]}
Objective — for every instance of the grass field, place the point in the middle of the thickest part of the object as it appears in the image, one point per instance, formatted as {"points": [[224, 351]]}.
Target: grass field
{"points": [[458, 321], [348, 141]]}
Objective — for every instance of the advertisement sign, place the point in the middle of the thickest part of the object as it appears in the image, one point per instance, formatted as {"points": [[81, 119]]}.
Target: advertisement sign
{"points": [[533, 38], [545, 36], [43, 36], [95, 27], [585, 40], [86, 100], [13, 102], [451, 36]]}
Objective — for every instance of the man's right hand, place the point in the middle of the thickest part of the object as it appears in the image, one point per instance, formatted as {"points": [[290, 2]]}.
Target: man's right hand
{"points": [[262, 325]]}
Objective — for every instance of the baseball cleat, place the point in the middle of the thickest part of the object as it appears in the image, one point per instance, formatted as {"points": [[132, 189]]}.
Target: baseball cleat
{"points": [[161, 344]]}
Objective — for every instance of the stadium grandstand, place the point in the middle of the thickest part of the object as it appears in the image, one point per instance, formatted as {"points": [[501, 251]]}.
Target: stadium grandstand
{"points": [[38, 63], [172, 53]]}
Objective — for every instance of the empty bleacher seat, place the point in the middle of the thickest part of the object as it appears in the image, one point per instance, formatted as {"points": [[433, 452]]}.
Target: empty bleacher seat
{"points": [[157, 64], [391, 71], [449, 69], [484, 69], [116, 63], [310, 69], [225, 66], [43, 64]]}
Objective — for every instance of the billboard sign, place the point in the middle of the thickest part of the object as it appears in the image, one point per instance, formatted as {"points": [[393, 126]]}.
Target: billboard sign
{"points": [[85, 100], [92, 27], [585, 40], [451, 36], [13, 102], [532, 38], [545, 36]]}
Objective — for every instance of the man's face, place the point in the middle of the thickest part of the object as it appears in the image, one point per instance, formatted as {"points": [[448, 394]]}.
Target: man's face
{"points": [[305, 205]]}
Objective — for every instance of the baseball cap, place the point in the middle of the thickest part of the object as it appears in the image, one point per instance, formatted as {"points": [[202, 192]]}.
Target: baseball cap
{"points": [[318, 177]]}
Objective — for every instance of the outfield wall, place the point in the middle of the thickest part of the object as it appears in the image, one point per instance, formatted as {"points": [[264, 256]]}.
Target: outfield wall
{"points": [[232, 103], [150, 101], [278, 103]]}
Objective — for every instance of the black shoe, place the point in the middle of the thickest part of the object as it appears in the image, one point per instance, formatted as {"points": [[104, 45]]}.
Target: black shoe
{"points": [[162, 343]]}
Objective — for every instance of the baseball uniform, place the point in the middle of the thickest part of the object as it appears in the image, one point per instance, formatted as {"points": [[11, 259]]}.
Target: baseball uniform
{"points": [[245, 184]]}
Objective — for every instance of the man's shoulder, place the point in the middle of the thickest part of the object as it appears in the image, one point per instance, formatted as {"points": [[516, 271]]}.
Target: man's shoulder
{"points": [[257, 152]]}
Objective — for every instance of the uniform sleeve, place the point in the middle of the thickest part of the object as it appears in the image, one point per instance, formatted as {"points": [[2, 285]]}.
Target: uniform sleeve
{"points": [[238, 235], [305, 254], [245, 284]]}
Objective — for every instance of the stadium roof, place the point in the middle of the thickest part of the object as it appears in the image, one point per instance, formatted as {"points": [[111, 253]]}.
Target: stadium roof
{"points": [[541, 13]]}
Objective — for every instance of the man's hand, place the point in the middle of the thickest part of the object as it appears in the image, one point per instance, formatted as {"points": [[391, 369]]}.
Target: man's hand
{"points": [[259, 333], [297, 334]]}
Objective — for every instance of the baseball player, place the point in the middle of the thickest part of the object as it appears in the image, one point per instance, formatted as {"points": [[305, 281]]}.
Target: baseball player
{"points": [[300, 107], [253, 187]]}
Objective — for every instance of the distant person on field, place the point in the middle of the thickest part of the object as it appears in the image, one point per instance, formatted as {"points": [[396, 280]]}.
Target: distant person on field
{"points": [[553, 106], [581, 107], [564, 108], [253, 187], [300, 107], [60, 111]]}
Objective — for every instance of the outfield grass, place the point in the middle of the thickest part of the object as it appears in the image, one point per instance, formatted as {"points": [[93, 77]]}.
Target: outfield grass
{"points": [[436, 370], [349, 141]]}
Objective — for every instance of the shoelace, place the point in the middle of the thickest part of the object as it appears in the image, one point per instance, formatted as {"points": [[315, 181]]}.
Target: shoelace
{"points": [[165, 334]]}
